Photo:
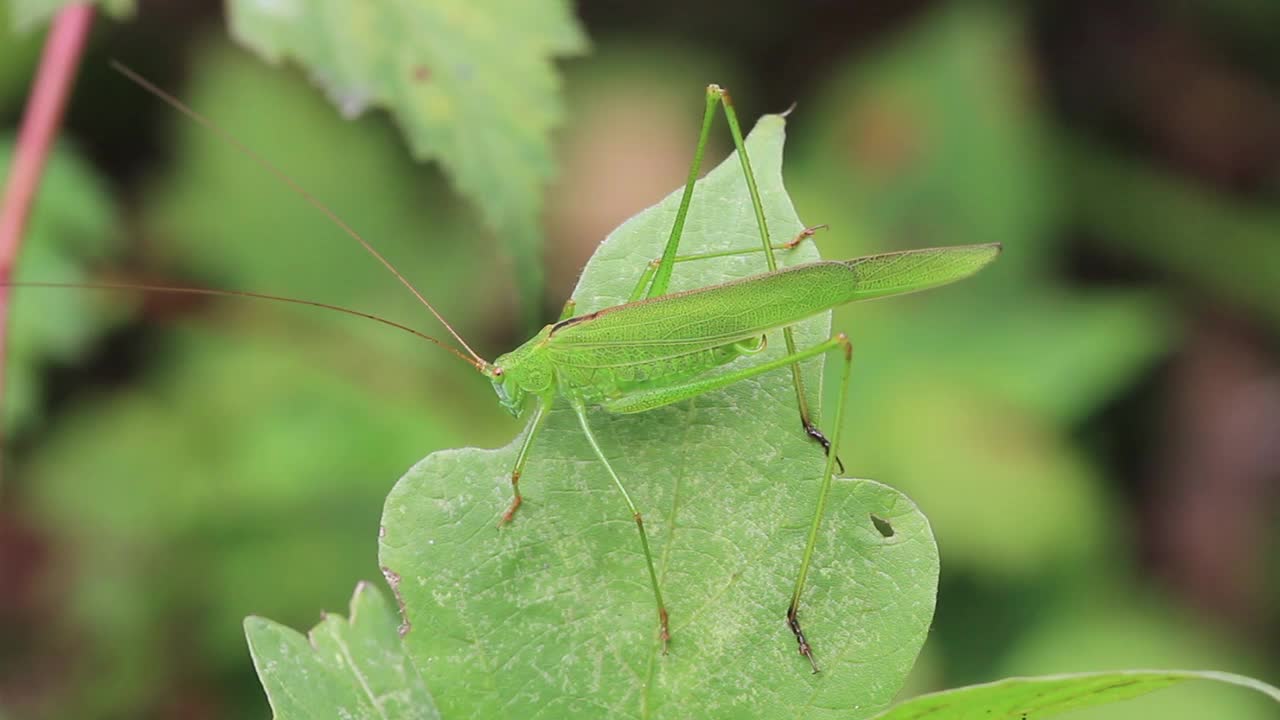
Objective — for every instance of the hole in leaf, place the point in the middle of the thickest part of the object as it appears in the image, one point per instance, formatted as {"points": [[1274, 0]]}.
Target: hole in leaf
{"points": [[884, 527]]}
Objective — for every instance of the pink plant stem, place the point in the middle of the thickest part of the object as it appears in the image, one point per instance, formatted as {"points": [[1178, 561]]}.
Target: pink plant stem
{"points": [[58, 63]]}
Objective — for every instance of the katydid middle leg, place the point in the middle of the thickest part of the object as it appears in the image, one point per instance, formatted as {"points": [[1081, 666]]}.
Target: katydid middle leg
{"points": [[662, 275], [664, 632]]}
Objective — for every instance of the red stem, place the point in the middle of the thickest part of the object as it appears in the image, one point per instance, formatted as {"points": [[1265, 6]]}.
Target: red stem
{"points": [[49, 92]]}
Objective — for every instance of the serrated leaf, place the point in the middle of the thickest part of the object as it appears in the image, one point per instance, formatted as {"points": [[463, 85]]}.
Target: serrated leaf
{"points": [[487, 122], [343, 668], [552, 616], [28, 14], [1042, 697]]}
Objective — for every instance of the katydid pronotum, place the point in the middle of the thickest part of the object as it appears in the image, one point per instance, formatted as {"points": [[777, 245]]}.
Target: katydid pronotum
{"points": [[660, 348]]}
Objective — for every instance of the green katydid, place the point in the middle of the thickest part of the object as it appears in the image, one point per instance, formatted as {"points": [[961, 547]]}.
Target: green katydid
{"points": [[660, 348]]}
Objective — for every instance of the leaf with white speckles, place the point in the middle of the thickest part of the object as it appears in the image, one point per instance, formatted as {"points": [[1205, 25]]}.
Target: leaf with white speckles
{"points": [[472, 85], [552, 615], [1043, 697], [353, 669]]}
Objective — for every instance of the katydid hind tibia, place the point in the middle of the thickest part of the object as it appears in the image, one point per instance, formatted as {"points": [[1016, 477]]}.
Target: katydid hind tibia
{"points": [[661, 348]]}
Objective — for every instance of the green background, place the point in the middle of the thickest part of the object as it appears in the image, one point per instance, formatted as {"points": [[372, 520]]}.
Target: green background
{"points": [[1087, 425]]}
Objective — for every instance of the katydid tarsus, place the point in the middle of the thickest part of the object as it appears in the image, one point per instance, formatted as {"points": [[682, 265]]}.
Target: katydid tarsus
{"points": [[661, 348]]}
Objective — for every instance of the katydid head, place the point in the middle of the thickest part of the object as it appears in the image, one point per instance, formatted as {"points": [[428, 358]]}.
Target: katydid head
{"points": [[510, 394], [522, 372]]}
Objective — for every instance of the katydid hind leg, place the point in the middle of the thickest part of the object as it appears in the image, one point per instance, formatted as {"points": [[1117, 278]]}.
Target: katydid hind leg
{"points": [[661, 275], [757, 205], [664, 626], [656, 278], [522, 456], [641, 401], [793, 610]]}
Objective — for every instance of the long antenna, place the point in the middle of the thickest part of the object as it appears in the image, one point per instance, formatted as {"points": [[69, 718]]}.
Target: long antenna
{"points": [[265, 164], [179, 290]]}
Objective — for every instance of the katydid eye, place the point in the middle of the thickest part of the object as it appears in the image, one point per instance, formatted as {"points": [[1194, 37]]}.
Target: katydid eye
{"points": [[497, 372]]}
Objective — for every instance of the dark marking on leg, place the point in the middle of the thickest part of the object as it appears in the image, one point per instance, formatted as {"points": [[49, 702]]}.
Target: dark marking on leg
{"points": [[793, 622], [803, 235], [664, 625], [813, 432], [516, 501]]}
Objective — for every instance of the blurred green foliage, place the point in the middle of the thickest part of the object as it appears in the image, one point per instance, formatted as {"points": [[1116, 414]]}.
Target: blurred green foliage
{"points": [[1178, 228], [70, 228], [970, 388], [18, 52], [211, 460]]}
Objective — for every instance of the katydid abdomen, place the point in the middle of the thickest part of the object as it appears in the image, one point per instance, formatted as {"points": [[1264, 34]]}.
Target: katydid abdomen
{"points": [[651, 344], [735, 311]]}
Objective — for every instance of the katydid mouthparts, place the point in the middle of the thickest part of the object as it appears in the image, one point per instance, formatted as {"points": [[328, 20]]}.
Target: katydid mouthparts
{"points": [[659, 348]]}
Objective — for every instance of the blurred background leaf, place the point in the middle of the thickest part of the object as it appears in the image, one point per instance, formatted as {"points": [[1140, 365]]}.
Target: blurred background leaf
{"points": [[488, 122], [71, 230]]}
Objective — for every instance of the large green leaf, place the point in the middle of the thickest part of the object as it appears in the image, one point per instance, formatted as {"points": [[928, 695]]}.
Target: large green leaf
{"points": [[552, 615], [488, 123], [349, 669], [1042, 697]]}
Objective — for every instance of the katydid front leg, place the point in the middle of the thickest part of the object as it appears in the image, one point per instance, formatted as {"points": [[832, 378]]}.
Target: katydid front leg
{"points": [[535, 424]]}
